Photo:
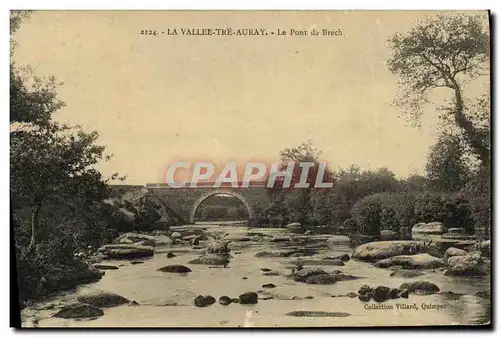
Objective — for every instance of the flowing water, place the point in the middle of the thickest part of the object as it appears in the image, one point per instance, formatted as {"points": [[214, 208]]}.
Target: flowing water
{"points": [[167, 298]]}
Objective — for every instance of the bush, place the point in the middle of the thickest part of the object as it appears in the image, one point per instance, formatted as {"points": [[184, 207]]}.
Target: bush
{"points": [[395, 210]]}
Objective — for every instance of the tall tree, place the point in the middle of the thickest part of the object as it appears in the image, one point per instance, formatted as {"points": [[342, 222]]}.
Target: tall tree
{"points": [[446, 167], [445, 52]]}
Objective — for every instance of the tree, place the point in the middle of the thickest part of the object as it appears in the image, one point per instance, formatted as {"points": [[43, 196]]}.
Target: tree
{"points": [[444, 52], [49, 163], [298, 200], [446, 167]]}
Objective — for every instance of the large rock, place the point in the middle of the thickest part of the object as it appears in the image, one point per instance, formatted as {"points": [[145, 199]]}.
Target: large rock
{"points": [[374, 251], [211, 259], [103, 299], [319, 276], [248, 298], [453, 252], [424, 231], [388, 235], [338, 240], [381, 293], [420, 287], [123, 251], [418, 261], [204, 301], [175, 268], [429, 228], [295, 227], [467, 265], [79, 310]]}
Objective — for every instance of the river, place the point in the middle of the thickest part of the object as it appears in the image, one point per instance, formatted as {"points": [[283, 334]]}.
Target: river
{"points": [[167, 299]]}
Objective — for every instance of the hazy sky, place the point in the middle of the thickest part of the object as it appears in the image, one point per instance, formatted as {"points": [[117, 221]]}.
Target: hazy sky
{"points": [[156, 100]]}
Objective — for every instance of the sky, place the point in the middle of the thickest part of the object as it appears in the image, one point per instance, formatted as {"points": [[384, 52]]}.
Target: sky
{"points": [[161, 99]]}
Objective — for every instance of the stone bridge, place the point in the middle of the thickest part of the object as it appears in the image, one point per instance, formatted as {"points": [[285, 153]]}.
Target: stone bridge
{"points": [[183, 202]]}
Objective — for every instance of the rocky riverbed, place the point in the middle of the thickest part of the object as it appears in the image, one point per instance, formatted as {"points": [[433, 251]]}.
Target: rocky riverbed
{"points": [[298, 280]]}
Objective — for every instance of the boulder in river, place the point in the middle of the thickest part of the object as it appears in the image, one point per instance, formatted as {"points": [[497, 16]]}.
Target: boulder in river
{"points": [[175, 268], [204, 301], [249, 298], [225, 300], [122, 251], [467, 265], [170, 255], [321, 279], [418, 261], [420, 287], [338, 240], [176, 235], [381, 293], [79, 310], [429, 228], [103, 299], [211, 259], [453, 252], [374, 251], [403, 273], [388, 235], [295, 227], [268, 285]]}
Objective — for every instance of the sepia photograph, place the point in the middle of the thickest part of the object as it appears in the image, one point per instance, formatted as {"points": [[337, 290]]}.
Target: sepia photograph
{"points": [[250, 169]]}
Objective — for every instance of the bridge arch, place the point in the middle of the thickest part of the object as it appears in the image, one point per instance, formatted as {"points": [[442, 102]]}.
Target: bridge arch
{"points": [[218, 192]]}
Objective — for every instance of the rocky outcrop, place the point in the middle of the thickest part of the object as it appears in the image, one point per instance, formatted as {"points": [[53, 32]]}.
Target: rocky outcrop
{"points": [[211, 259], [103, 299], [79, 310], [466, 265], [124, 251], [453, 252], [175, 268], [418, 261], [374, 251], [420, 287]]}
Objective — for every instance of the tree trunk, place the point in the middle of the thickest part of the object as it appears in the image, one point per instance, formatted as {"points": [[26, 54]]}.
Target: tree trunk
{"points": [[34, 224], [473, 136]]}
